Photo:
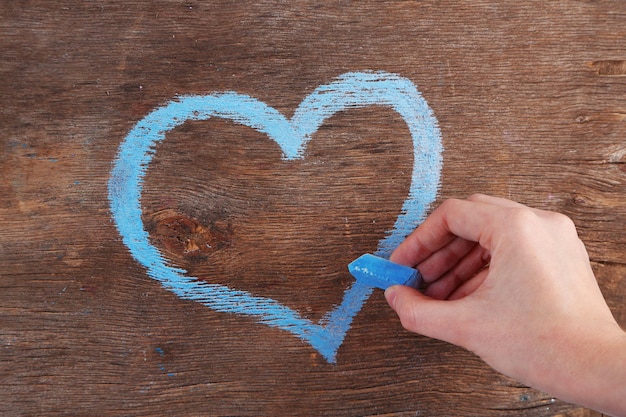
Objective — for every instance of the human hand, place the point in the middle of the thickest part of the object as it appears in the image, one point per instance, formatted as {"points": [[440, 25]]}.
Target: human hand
{"points": [[514, 285]]}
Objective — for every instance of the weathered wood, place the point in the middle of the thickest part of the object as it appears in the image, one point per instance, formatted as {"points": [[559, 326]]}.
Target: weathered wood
{"points": [[530, 100]]}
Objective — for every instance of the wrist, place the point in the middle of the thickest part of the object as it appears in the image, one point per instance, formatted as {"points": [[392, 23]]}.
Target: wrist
{"points": [[592, 370], [610, 395]]}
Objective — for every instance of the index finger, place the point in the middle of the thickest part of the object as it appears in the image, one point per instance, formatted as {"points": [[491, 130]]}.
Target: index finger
{"points": [[462, 218]]}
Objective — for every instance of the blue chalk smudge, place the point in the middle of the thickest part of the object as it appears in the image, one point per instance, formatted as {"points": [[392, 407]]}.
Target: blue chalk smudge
{"points": [[351, 90]]}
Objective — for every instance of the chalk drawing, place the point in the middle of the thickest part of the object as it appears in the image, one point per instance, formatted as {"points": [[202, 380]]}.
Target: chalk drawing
{"points": [[349, 91]]}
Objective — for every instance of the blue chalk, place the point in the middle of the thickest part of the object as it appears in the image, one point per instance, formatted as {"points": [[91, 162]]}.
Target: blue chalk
{"points": [[382, 273]]}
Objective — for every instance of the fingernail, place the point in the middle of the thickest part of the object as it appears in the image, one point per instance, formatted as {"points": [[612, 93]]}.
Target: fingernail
{"points": [[390, 296]]}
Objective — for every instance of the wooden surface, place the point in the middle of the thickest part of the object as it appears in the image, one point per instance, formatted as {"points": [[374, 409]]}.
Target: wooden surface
{"points": [[531, 103]]}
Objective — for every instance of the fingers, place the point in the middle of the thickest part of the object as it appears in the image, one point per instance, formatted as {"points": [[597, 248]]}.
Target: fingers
{"points": [[466, 219], [462, 272], [503, 202], [496, 201], [453, 244], [422, 243], [426, 316], [469, 286], [444, 259]]}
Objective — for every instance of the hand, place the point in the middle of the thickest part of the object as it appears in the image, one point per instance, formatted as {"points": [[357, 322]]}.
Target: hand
{"points": [[514, 285]]}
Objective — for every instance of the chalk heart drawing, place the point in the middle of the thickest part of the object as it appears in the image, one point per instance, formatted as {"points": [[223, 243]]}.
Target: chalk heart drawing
{"points": [[348, 91]]}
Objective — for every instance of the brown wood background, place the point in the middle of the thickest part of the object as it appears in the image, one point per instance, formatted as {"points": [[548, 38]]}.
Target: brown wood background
{"points": [[531, 102]]}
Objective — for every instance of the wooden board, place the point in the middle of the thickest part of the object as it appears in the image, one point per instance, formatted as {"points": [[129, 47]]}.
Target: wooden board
{"points": [[530, 99]]}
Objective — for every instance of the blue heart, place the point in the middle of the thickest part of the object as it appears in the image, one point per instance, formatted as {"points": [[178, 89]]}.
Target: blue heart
{"points": [[351, 90]]}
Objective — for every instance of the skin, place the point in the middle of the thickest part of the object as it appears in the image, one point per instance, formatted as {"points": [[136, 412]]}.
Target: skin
{"points": [[514, 285]]}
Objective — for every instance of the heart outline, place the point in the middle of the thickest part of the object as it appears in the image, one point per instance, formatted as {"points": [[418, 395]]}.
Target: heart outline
{"points": [[348, 91]]}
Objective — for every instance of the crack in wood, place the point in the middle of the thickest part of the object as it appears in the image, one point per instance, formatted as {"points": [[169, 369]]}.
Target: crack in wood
{"points": [[611, 67]]}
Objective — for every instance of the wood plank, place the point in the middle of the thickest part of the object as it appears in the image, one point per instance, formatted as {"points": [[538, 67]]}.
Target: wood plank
{"points": [[529, 98]]}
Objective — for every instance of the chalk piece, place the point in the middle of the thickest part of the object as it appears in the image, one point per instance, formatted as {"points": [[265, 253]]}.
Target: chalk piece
{"points": [[382, 273]]}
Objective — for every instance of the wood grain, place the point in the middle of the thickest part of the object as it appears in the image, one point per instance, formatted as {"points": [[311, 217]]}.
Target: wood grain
{"points": [[530, 99]]}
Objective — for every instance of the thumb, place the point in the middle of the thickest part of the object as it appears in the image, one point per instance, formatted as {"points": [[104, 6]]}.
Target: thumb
{"points": [[427, 316]]}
